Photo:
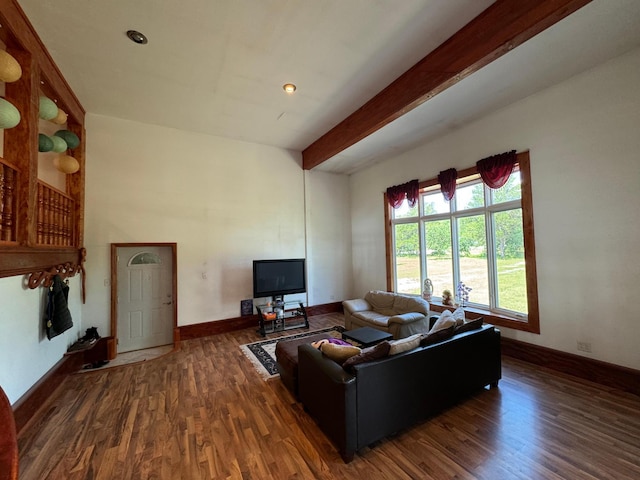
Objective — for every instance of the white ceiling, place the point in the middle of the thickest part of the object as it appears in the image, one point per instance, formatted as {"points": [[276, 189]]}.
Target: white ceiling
{"points": [[217, 66]]}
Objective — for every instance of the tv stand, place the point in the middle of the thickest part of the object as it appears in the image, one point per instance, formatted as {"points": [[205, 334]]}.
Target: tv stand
{"points": [[278, 316]]}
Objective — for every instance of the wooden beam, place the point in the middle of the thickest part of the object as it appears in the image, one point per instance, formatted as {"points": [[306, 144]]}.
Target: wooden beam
{"points": [[499, 29]]}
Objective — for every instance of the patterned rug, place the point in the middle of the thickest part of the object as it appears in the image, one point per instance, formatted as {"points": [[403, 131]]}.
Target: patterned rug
{"points": [[262, 354]]}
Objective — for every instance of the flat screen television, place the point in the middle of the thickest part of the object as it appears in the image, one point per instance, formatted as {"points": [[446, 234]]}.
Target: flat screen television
{"points": [[276, 278]]}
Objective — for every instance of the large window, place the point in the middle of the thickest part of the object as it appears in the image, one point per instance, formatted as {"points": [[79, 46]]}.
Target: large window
{"points": [[482, 237]]}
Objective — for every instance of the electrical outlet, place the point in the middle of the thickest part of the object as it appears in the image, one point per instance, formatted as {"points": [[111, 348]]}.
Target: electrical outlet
{"points": [[584, 347]]}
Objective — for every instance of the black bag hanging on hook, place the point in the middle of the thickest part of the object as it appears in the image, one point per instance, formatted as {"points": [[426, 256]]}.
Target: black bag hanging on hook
{"points": [[57, 316]]}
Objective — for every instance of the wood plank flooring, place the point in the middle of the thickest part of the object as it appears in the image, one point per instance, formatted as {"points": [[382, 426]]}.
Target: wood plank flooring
{"points": [[203, 412]]}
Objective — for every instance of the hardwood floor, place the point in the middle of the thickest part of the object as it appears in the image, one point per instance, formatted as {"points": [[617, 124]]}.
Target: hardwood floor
{"points": [[203, 412]]}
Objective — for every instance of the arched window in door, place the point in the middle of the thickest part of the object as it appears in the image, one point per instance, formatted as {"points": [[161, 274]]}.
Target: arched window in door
{"points": [[145, 258]]}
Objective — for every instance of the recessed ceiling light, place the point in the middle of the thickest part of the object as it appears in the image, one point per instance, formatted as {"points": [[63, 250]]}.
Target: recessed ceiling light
{"points": [[137, 37], [289, 88]]}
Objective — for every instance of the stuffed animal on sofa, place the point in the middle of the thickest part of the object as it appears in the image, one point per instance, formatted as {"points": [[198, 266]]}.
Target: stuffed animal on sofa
{"points": [[447, 298]]}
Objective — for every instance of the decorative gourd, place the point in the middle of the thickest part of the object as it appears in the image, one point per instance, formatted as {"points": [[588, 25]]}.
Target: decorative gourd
{"points": [[66, 164], [59, 145], [48, 109], [9, 115], [10, 69], [71, 138], [45, 144]]}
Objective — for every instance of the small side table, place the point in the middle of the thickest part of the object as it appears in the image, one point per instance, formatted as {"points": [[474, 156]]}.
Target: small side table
{"points": [[366, 336]]}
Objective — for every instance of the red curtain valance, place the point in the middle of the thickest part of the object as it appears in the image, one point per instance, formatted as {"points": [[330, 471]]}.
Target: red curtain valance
{"points": [[495, 170], [397, 194], [447, 180]]}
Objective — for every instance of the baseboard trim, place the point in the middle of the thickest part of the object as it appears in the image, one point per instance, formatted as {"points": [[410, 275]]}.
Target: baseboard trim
{"points": [[28, 404], [608, 374], [197, 330], [206, 329]]}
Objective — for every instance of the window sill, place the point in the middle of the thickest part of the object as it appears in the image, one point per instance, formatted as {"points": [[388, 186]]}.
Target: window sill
{"points": [[499, 320]]}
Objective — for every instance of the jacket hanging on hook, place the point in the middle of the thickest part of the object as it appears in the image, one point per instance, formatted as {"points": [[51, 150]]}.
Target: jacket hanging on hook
{"points": [[57, 314]]}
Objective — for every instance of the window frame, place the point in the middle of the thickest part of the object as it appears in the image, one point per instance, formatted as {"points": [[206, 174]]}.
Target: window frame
{"points": [[499, 317]]}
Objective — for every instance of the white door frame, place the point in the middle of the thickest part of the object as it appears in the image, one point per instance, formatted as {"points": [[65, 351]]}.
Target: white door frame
{"points": [[114, 283]]}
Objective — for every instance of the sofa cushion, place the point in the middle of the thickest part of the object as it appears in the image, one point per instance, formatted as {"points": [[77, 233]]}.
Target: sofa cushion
{"points": [[445, 321], [404, 344], [373, 317], [470, 325], [382, 302], [369, 354], [339, 353], [406, 304], [438, 336]]}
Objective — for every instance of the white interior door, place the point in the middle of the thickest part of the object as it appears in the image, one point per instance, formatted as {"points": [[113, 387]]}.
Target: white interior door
{"points": [[145, 297]]}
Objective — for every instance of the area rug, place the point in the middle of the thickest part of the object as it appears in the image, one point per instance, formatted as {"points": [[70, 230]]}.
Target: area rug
{"points": [[262, 354]]}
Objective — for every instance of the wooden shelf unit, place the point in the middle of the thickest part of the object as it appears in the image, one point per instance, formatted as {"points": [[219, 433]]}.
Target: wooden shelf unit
{"points": [[40, 226]]}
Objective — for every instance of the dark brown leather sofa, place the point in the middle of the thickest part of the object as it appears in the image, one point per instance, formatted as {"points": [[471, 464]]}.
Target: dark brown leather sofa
{"points": [[379, 398]]}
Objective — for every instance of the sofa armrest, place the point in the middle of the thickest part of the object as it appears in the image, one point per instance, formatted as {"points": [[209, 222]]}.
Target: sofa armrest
{"points": [[406, 317], [356, 305], [328, 394]]}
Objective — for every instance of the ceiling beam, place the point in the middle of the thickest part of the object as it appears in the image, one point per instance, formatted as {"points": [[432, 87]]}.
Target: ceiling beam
{"points": [[497, 30]]}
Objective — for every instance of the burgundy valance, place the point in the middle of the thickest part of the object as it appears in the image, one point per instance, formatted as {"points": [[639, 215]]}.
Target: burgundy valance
{"points": [[447, 180], [495, 170], [397, 194]]}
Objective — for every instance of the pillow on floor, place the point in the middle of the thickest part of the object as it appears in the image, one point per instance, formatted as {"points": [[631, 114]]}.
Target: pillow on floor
{"points": [[404, 344], [339, 353], [369, 354]]}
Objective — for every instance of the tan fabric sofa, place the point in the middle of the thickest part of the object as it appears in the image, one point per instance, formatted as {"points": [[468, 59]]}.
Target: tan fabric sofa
{"points": [[400, 315]]}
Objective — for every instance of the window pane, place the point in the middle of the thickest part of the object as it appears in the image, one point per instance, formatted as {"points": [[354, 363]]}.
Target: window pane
{"points": [[512, 282], [439, 264], [469, 196], [472, 250], [403, 211], [145, 258], [407, 258], [434, 202], [510, 191]]}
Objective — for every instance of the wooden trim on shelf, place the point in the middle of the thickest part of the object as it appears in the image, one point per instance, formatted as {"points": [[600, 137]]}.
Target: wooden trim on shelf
{"points": [[614, 376], [23, 260]]}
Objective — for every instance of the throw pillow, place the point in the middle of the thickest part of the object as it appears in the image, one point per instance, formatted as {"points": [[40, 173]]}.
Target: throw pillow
{"points": [[438, 336], [470, 325], [458, 315], [404, 344], [370, 354], [445, 321], [339, 353]]}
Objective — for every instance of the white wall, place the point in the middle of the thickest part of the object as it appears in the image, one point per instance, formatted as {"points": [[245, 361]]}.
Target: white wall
{"points": [[25, 352], [328, 237], [224, 202], [583, 140]]}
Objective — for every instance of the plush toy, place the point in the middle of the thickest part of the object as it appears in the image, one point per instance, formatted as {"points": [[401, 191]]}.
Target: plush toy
{"points": [[447, 298]]}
